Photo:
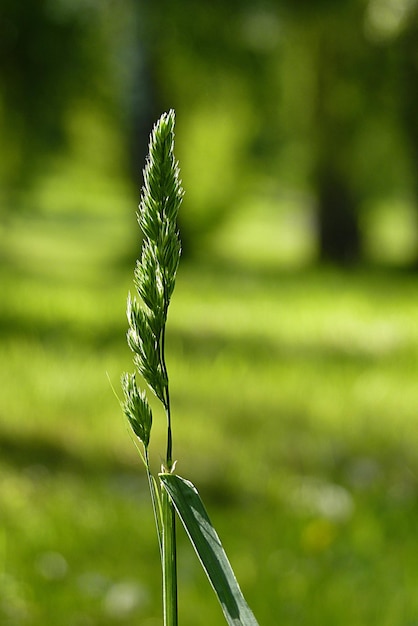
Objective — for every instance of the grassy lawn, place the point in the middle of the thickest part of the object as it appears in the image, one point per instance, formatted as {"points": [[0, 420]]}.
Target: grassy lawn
{"points": [[295, 412]]}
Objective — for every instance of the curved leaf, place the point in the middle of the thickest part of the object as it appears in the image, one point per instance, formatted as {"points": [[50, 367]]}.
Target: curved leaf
{"points": [[208, 547]]}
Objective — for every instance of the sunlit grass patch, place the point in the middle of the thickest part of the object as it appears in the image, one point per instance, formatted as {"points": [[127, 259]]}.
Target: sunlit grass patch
{"points": [[296, 384], [57, 524], [276, 229], [391, 228]]}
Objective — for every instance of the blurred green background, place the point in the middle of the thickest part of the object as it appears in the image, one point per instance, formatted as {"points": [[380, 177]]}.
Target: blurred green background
{"points": [[292, 335]]}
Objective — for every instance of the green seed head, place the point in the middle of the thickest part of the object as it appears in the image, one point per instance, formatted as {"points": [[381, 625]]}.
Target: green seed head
{"points": [[136, 408], [154, 275]]}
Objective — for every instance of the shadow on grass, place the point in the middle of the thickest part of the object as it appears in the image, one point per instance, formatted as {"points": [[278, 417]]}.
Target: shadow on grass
{"points": [[40, 457], [22, 452]]}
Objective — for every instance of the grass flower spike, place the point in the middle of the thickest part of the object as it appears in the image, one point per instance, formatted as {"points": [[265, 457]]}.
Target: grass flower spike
{"points": [[155, 275]]}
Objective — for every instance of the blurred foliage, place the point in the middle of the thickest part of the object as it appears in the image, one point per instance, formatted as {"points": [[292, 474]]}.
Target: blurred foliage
{"points": [[318, 97], [51, 58]]}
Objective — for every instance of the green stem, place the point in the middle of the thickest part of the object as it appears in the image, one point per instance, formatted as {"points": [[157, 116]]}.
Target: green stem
{"points": [[169, 453], [169, 554], [156, 503], [169, 561]]}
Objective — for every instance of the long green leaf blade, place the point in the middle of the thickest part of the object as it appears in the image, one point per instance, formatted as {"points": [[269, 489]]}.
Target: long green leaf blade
{"points": [[208, 547]]}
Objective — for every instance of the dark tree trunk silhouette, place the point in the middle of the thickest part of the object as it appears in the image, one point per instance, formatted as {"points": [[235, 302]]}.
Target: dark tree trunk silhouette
{"points": [[408, 89], [338, 228], [336, 118]]}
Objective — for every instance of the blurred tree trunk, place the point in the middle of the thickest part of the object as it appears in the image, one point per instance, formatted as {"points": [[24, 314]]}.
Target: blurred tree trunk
{"points": [[145, 110], [338, 228], [408, 89], [337, 111], [144, 103]]}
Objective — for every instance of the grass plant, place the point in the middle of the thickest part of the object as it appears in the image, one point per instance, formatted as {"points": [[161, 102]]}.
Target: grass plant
{"points": [[155, 275]]}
